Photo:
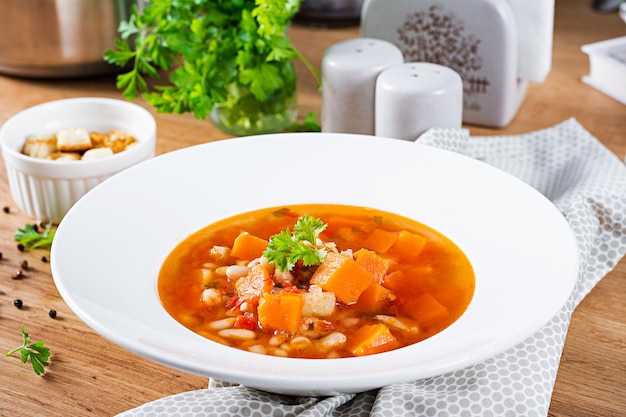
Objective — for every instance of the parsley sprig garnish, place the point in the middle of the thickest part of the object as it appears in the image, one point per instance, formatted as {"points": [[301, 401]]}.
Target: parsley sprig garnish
{"points": [[285, 249], [30, 237], [36, 352]]}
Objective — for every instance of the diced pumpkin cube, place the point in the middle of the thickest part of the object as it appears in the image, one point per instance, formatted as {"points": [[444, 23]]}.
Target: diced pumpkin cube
{"points": [[374, 299], [409, 245], [256, 282], [343, 277], [380, 240], [372, 338], [281, 311], [247, 246], [425, 309], [404, 284], [374, 264]]}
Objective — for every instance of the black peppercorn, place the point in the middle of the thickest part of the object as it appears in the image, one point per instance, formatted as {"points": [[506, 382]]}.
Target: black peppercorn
{"points": [[20, 247], [44, 259], [6, 209], [18, 303], [0, 255], [52, 313], [24, 265]]}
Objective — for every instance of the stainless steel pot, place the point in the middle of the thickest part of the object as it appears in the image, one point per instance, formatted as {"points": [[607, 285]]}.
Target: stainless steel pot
{"points": [[330, 12], [59, 38]]}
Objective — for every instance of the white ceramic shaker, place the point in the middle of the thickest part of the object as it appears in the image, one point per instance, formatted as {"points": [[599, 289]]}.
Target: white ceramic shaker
{"points": [[349, 72], [415, 96]]}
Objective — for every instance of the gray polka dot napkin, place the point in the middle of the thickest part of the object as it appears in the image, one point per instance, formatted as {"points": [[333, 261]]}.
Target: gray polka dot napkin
{"points": [[588, 184]]}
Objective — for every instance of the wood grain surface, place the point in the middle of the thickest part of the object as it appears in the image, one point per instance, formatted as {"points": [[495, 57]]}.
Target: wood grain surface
{"points": [[90, 376]]}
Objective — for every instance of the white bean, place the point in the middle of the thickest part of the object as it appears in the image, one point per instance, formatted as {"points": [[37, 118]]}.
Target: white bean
{"points": [[282, 276], [405, 325], [236, 271], [226, 323], [276, 340], [220, 253], [246, 307], [333, 355], [280, 352], [254, 262], [350, 321], [331, 341], [237, 334], [258, 349], [207, 276], [211, 296], [300, 343]]}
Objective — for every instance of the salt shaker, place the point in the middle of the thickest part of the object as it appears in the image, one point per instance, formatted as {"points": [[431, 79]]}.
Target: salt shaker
{"points": [[349, 72], [415, 96]]}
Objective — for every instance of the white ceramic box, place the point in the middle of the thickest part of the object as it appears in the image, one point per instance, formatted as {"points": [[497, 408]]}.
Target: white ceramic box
{"points": [[476, 38]]}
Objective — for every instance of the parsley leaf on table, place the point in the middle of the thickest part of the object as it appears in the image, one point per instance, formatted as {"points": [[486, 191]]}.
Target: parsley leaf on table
{"points": [[286, 249], [36, 352], [30, 237]]}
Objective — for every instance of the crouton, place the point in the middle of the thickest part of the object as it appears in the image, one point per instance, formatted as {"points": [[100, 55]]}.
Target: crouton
{"points": [[64, 156], [40, 145], [96, 153], [73, 140]]}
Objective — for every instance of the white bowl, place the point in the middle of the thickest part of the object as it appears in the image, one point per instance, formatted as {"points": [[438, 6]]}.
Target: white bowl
{"points": [[45, 189], [521, 248]]}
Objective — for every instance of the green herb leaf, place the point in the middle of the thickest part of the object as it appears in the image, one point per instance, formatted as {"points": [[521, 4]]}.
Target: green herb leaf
{"points": [[286, 249], [36, 352], [212, 45], [309, 124], [31, 238]]}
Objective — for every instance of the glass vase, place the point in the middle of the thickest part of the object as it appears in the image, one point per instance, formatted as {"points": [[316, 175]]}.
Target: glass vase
{"points": [[242, 114]]}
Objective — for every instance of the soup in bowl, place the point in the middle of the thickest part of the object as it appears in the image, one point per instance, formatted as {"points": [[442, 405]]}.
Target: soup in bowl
{"points": [[316, 281]]}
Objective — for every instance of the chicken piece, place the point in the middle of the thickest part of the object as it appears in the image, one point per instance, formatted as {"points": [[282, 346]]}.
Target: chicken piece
{"points": [[318, 303]]}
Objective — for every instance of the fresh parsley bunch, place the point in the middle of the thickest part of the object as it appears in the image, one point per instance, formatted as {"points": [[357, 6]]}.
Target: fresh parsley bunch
{"points": [[211, 46]]}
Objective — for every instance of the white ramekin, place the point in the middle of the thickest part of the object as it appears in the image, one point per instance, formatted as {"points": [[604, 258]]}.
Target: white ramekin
{"points": [[45, 189]]}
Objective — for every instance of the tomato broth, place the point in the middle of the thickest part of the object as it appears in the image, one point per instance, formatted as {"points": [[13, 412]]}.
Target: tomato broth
{"points": [[385, 282]]}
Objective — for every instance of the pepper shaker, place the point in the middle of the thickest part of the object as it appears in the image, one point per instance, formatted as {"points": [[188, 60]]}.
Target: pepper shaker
{"points": [[416, 96], [349, 72]]}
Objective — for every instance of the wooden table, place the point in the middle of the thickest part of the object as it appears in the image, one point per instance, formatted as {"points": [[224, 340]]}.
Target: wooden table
{"points": [[90, 376]]}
